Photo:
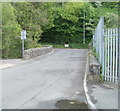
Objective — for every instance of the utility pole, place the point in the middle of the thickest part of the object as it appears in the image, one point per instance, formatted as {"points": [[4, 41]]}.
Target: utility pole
{"points": [[84, 27]]}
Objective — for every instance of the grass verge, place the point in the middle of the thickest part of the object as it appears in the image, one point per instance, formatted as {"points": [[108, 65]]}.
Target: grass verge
{"points": [[71, 45]]}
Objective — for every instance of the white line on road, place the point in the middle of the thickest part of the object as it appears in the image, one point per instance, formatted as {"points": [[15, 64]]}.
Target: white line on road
{"points": [[76, 94], [90, 103], [107, 86]]}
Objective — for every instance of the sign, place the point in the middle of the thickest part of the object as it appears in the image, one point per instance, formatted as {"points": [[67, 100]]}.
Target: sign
{"points": [[23, 37], [23, 34]]}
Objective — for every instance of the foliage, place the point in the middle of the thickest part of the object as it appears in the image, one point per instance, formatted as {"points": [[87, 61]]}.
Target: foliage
{"points": [[71, 45], [94, 53], [101, 76], [11, 42], [111, 20], [69, 21], [110, 11], [32, 17], [27, 17], [52, 22], [111, 5]]}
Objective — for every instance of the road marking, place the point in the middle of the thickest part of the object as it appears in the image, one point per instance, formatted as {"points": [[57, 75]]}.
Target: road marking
{"points": [[72, 102], [95, 86], [107, 86], [75, 94], [91, 105]]}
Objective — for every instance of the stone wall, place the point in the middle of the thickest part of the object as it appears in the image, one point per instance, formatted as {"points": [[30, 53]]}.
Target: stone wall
{"points": [[94, 67], [34, 52]]}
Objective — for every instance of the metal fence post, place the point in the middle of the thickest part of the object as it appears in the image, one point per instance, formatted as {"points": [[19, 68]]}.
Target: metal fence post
{"points": [[118, 71], [102, 46]]}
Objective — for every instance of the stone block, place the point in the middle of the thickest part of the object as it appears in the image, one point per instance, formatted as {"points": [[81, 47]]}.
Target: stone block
{"points": [[34, 52]]}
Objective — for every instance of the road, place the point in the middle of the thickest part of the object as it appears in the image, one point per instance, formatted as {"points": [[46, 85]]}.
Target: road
{"points": [[39, 83]]}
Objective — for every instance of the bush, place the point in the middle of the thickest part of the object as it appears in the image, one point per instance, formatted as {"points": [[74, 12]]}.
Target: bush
{"points": [[11, 42]]}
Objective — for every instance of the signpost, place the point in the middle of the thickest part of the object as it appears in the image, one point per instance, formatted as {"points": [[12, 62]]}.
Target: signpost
{"points": [[23, 37]]}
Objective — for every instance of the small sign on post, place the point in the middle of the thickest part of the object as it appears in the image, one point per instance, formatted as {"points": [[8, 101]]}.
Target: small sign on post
{"points": [[23, 36]]}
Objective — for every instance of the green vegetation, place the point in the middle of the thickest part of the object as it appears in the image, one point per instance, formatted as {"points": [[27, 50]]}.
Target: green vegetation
{"points": [[95, 54], [101, 76], [10, 33], [68, 23], [52, 23], [71, 45]]}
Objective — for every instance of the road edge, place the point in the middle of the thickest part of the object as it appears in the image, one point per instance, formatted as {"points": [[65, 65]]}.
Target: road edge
{"points": [[90, 103], [9, 65]]}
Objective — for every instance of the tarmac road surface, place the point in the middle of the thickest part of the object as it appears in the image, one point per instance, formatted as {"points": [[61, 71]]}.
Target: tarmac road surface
{"points": [[39, 83]]}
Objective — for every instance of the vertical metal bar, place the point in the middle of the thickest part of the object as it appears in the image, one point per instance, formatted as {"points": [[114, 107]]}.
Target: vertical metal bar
{"points": [[118, 82], [113, 56], [105, 48], [108, 37], [100, 42], [99, 38], [116, 75], [102, 46], [118, 58], [118, 69], [97, 41], [106, 57], [111, 48], [93, 41]]}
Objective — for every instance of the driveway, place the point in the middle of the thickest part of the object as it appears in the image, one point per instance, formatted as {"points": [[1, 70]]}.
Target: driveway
{"points": [[39, 83]]}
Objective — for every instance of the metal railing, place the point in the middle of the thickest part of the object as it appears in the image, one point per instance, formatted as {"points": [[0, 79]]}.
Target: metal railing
{"points": [[106, 45]]}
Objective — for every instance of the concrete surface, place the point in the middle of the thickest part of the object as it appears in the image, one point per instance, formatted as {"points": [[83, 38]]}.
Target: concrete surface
{"points": [[104, 95], [5, 63], [39, 83]]}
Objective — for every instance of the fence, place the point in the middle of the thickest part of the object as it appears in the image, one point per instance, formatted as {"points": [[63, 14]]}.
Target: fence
{"points": [[107, 47]]}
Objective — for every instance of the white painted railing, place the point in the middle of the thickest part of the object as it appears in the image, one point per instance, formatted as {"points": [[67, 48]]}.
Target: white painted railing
{"points": [[107, 47]]}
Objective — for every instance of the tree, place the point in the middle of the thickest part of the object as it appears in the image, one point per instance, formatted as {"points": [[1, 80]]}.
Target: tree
{"points": [[68, 22], [11, 43], [26, 17], [34, 18], [110, 11]]}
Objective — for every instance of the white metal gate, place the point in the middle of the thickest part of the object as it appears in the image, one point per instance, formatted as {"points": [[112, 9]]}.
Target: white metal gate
{"points": [[106, 44]]}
